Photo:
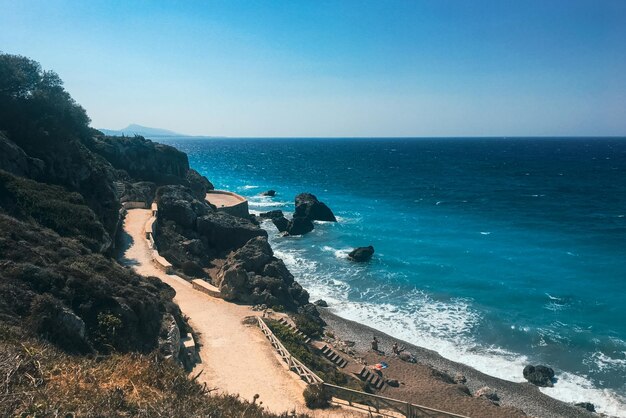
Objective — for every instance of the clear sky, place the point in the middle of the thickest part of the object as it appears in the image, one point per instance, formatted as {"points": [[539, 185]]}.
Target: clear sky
{"points": [[340, 68]]}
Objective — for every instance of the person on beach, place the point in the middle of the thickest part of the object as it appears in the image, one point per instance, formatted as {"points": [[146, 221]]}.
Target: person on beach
{"points": [[395, 348], [375, 343]]}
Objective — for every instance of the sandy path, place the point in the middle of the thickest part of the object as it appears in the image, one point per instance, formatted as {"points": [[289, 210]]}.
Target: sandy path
{"points": [[235, 358]]}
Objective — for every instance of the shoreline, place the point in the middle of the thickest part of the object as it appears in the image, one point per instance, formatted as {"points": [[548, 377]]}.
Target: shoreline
{"points": [[523, 396]]}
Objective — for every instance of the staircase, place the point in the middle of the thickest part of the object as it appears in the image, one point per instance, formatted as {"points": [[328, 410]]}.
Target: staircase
{"points": [[284, 321], [333, 356], [119, 188], [373, 379]]}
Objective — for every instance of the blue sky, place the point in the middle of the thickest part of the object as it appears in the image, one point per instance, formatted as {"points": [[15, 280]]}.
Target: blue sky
{"points": [[341, 68]]}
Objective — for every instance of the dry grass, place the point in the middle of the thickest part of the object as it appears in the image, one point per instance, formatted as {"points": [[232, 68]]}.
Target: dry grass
{"points": [[38, 380]]}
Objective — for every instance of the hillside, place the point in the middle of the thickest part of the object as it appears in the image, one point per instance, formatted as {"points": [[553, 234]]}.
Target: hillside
{"points": [[79, 333]]}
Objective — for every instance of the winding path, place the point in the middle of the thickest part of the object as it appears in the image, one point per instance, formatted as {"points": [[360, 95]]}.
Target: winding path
{"points": [[235, 358]]}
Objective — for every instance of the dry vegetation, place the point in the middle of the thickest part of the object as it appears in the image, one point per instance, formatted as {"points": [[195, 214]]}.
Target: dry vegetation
{"points": [[39, 380]]}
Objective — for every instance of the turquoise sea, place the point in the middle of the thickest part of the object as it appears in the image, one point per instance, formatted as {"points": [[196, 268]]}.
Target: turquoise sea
{"points": [[493, 252]]}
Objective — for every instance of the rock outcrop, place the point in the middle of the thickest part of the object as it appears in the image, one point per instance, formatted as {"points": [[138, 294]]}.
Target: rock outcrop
{"points": [[143, 159], [309, 207], [190, 230], [299, 226], [198, 184], [539, 375], [270, 193], [361, 254], [253, 275]]}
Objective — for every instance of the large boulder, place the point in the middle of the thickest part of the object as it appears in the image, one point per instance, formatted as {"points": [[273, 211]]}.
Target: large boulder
{"points": [[177, 204], [299, 226], [225, 232], [539, 375], [270, 193], [307, 206], [361, 253], [272, 214], [253, 275], [282, 223]]}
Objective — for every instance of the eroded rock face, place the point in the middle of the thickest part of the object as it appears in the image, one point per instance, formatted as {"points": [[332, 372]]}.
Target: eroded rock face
{"points": [[539, 375], [142, 191], [253, 275], [189, 229], [361, 253], [143, 159], [226, 232], [169, 337], [307, 206], [198, 184]]}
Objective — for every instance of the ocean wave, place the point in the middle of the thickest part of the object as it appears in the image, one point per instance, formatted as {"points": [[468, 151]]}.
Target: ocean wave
{"points": [[249, 186], [443, 326], [341, 253], [573, 388], [266, 203]]}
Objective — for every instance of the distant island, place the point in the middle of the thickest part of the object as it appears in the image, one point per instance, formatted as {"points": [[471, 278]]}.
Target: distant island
{"points": [[134, 129]]}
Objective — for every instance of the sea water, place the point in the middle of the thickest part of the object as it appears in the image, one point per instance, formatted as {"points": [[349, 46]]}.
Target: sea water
{"points": [[494, 252]]}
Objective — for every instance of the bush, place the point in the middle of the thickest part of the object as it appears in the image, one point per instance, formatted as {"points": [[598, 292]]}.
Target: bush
{"points": [[315, 396], [308, 325]]}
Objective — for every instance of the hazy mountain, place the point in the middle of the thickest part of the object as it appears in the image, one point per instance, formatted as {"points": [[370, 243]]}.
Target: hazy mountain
{"points": [[134, 129]]}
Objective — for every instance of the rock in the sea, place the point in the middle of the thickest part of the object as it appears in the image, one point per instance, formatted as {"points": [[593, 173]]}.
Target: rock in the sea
{"points": [[299, 226], [282, 223], [539, 375], [307, 206], [586, 405], [487, 393], [272, 214], [361, 253], [270, 193], [321, 303]]}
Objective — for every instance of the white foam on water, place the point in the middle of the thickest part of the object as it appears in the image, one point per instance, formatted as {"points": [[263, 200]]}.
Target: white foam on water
{"points": [[266, 203], [341, 253], [249, 186], [573, 388], [445, 327]]}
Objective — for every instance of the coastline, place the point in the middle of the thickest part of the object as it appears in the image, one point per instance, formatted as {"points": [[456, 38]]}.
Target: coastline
{"points": [[523, 396]]}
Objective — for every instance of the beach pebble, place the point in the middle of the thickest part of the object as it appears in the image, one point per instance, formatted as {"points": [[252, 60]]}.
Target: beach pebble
{"points": [[459, 378], [487, 393]]}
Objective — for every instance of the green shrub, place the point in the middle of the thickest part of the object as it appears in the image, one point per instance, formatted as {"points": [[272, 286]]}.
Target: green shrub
{"points": [[315, 396], [308, 325]]}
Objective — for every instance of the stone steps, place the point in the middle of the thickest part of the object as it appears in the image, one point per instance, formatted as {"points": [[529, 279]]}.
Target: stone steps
{"points": [[373, 379], [333, 356], [284, 321]]}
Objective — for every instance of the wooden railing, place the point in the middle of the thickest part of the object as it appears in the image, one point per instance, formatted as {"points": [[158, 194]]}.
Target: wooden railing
{"points": [[293, 363], [377, 402]]}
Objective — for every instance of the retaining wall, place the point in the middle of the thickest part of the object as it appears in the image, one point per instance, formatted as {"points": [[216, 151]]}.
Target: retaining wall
{"points": [[239, 209]]}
